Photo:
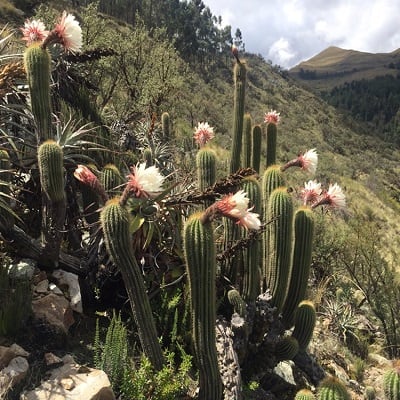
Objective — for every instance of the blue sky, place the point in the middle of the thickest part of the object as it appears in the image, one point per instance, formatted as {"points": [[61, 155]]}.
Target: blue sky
{"points": [[290, 31]]}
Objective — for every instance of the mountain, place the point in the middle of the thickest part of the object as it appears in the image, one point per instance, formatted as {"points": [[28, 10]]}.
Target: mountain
{"points": [[335, 66]]}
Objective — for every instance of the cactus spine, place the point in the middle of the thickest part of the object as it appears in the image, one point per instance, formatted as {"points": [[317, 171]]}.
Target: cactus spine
{"points": [[115, 223], [247, 141], [256, 148], [301, 263], [271, 144], [200, 258], [51, 168], [305, 320], [280, 213], [239, 75], [332, 388], [391, 384], [37, 65], [304, 394], [206, 168]]}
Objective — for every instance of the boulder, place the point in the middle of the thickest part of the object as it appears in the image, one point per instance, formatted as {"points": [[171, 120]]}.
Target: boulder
{"points": [[71, 382], [71, 281]]}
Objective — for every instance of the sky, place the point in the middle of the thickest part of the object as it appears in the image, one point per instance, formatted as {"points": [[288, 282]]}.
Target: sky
{"points": [[290, 31]]}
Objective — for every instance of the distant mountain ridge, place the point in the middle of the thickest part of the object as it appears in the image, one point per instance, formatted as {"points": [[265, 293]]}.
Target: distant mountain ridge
{"points": [[335, 66]]}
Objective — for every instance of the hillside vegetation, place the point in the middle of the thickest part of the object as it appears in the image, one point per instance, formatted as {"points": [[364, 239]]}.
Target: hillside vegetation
{"points": [[145, 79]]}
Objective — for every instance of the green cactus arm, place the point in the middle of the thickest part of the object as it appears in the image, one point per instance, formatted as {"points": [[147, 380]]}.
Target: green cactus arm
{"points": [[286, 348], [111, 179], [331, 388], [301, 263], [272, 132], [115, 223], [391, 384], [206, 168], [247, 141], [256, 148], [199, 249], [239, 75], [304, 323], [166, 125], [37, 63], [304, 394]]}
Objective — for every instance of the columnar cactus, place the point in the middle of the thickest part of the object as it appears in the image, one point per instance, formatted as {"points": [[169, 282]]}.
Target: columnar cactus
{"points": [[279, 248], [251, 275], [200, 258], [115, 223], [238, 304], [391, 384], [271, 143], [148, 157], [51, 168], [286, 348], [238, 114], [304, 394], [206, 168], [247, 141], [301, 263], [304, 323], [166, 125], [332, 388], [111, 179], [37, 65], [256, 148], [369, 393]]}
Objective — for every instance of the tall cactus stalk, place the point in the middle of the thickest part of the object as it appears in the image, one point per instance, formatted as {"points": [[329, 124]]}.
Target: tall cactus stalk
{"points": [[166, 125], [256, 148], [280, 213], [239, 75], [115, 223], [301, 263], [200, 258], [247, 141], [304, 324], [37, 65], [51, 168], [272, 133], [206, 168]]}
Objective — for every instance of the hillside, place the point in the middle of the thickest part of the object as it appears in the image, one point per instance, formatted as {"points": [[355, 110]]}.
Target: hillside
{"points": [[335, 66], [142, 99]]}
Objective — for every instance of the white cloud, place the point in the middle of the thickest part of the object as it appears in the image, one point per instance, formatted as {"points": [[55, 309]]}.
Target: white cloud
{"points": [[290, 31]]}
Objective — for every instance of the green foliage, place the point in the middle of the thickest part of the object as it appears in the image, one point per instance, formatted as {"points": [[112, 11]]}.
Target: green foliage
{"points": [[111, 355], [391, 384], [142, 382]]}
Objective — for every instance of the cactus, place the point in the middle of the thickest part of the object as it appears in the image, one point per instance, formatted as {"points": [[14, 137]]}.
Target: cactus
{"points": [[280, 213], [271, 143], [166, 125], [199, 251], [148, 157], [286, 348], [332, 388], [301, 263], [369, 393], [247, 141], [304, 394], [256, 148], [238, 114], [251, 275], [111, 179], [235, 299], [391, 384], [206, 168], [115, 223], [50, 160], [305, 319], [37, 65]]}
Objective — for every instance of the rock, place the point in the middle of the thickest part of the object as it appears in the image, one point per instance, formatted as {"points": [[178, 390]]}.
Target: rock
{"points": [[23, 270], [68, 382], [42, 286], [16, 370], [54, 310], [52, 360], [72, 282], [8, 353], [55, 289]]}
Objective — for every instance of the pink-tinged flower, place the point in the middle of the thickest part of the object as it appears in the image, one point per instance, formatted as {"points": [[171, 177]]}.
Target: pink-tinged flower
{"points": [[307, 162], [311, 191], [145, 182], [236, 206], [67, 32], [332, 198], [272, 117], [34, 31], [88, 178], [203, 133]]}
